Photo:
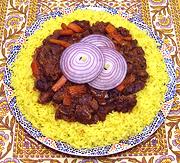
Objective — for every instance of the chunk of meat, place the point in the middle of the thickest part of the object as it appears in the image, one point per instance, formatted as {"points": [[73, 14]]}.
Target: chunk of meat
{"points": [[83, 24], [138, 51], [58, 96], [65, 113], [64, 109], [94, 104], [45, 97], [142, 75], [134, 87], [85, 99], [100, 96], [76, 37], [125, 48], [124, 32], [95, 118], [140, 63], [128, 80], [52, 72], [86, 33], [67, 100], [48, 58], [47, 54], [113, 94], [134, 43], [42, 85], [103, 111], [83, 114], [77, 90], [130, 68], [125, 103], [56, 51], [99, 28]]}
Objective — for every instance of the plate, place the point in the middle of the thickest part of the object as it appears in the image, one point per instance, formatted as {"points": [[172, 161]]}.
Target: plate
{"points": [[96, 151]]}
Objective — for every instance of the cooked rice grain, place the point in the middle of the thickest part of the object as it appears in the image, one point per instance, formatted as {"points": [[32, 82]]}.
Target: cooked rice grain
{"points": [[117, 126]]}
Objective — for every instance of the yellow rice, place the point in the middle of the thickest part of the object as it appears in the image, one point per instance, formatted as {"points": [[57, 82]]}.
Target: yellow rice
{"points": [[117, 126]]}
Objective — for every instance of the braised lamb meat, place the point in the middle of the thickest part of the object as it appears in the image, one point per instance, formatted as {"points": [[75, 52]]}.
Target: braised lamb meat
{"points": [[80, 102]]}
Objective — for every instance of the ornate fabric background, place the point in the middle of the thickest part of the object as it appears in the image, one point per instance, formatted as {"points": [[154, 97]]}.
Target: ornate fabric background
{"points": [[17, 146]]}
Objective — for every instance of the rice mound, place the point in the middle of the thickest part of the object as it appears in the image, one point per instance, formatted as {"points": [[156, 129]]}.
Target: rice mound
{"points": [[117, 126]]}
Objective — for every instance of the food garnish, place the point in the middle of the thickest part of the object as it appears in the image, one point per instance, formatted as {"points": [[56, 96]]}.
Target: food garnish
{"points": [[99, 40], [81, 62], [114, 72]]}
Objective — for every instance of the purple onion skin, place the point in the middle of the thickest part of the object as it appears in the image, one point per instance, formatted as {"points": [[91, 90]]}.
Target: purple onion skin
{"points": [[115, 74], [77, 69], [99, 40]]}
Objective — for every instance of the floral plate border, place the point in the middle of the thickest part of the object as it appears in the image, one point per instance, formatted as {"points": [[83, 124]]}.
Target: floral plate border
{"points": [[96, 151]]}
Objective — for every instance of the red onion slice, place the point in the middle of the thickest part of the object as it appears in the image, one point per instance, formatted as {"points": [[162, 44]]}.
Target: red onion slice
{"points": [[99, 40], [114, 71], [82, 62]]}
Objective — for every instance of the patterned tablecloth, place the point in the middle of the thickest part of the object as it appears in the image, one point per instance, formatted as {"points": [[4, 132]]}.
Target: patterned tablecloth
{"points": [[17, 146]]}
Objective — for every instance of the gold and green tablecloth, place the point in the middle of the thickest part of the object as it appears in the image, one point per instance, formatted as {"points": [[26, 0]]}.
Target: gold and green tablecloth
{"points": [[17, 146]]}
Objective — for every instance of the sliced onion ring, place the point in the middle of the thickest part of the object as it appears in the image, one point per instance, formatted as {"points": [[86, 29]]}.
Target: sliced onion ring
{"points": [[82, 62], [114, 71], [99, 40]]}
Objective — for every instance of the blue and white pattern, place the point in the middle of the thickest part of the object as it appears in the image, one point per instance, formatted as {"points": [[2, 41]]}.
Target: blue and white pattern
{"points": [[97, 151]]}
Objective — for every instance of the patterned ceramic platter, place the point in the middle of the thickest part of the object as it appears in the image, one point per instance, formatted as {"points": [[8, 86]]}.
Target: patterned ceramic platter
{"points": [[97, 151]]}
